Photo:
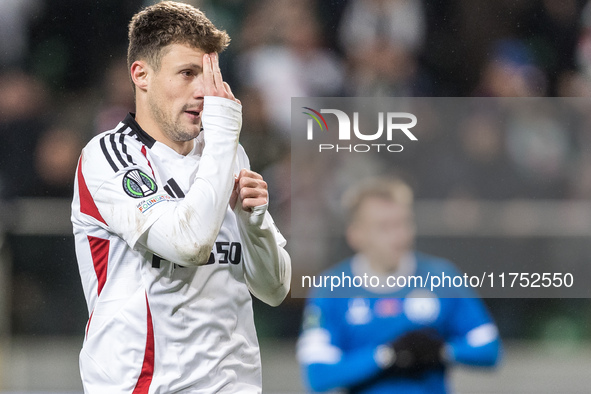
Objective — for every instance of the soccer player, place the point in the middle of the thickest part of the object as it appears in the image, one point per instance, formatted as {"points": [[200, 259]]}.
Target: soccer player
{"points": [[390, 340], [171, 227]]}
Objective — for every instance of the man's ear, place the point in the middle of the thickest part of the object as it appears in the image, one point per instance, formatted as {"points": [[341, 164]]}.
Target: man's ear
{"points": [[139, 74]]}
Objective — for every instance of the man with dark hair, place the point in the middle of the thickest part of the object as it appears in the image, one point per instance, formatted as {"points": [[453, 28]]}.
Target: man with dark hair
{"points": [[378, 338], [171, 227]]}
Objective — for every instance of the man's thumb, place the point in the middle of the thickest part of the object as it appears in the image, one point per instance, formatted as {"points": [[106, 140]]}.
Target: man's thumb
{"points": [[234, 195]]}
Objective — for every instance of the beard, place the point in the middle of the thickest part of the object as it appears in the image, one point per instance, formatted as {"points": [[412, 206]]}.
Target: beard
{"points": [[172, 128]]}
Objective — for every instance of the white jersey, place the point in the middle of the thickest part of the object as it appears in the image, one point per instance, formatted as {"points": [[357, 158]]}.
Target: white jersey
{"points": [[155, 326]]}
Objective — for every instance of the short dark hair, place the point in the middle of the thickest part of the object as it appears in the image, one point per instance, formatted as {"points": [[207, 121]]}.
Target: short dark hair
{"points": [[170, 22]]}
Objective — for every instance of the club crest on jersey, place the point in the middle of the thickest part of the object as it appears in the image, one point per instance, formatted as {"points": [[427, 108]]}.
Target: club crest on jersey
{"points": [[359, 311], [137, 184]]}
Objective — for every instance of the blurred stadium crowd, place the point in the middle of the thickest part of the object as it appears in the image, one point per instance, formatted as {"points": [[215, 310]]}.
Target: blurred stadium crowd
{"points": [[63, 79], [63, 76]]}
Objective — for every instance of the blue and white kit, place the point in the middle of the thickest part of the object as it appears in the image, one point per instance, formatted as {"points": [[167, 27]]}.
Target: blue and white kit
{"points": [[342, 339]]}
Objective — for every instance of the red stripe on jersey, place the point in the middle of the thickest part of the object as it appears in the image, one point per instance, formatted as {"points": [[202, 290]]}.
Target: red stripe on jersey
{"points": [[88, 324], [143, 383], [145, 153], [99, 249], [87, 205]]}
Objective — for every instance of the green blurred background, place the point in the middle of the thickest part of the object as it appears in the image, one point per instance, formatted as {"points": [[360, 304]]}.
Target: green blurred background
{"points": [[63, 79]]}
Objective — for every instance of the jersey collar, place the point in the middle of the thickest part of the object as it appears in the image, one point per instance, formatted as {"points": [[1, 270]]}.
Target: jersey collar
{"points": [[144, 137]]}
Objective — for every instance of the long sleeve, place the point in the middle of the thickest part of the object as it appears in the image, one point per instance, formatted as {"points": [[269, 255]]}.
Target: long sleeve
{"points": [[326, 365], [353, 368], [484, 355], [186, 233], [267, 265], [474, 338], [471, 335]]}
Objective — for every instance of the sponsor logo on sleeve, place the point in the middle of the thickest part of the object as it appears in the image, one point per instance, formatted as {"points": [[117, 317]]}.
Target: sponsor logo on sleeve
{"points": [[149, 203]]}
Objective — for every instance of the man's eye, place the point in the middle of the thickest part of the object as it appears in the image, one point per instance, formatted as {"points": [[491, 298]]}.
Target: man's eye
{"points": [[187, 73]]}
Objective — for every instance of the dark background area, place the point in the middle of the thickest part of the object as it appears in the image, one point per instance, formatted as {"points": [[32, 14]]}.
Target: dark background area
{"points": [[63, 79]]}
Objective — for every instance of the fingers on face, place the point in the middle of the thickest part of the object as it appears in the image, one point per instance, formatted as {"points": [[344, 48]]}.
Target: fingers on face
{"points": [[212, 75], [229, 92], [217, 73], [209, 83], [214, 82]]}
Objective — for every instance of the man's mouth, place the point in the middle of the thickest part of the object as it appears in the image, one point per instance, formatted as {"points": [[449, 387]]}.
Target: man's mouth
{"points": [[193, 115]]}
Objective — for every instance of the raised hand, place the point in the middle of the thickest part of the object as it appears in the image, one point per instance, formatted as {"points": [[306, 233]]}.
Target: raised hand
{"points": [[214, 84], [250, 189]]}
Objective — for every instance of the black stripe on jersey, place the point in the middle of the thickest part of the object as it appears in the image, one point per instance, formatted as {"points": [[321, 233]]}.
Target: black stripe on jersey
{"points": [[169, 191], [108, 155], [124, 147], [156, 260], [176, 188], [116, 150]]}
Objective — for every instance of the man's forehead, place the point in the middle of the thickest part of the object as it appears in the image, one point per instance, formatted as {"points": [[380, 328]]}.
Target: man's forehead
{"points": [[178, 52]]}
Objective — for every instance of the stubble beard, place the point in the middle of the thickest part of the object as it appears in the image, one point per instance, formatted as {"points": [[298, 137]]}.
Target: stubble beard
{"points": [[173, 129]]}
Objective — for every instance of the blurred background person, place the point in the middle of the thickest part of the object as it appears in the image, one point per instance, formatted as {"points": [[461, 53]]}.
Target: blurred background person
{"points": [[15, 16], [380, 339], [290, 60], [511, 71], [24, 107], [381, 40], [56, 156], [56, 64], [116, 98]]}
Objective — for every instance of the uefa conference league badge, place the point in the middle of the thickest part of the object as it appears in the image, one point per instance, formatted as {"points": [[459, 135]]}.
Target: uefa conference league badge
{"points": [[138, 184]]}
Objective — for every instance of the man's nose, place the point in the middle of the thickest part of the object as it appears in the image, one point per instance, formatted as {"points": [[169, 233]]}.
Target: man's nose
{"points": [[198, 88]]}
